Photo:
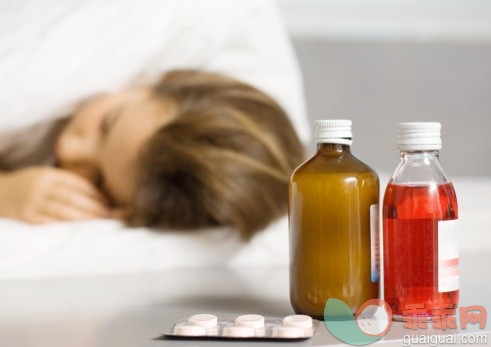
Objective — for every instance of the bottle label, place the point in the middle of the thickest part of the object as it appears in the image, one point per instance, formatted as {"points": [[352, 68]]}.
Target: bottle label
{"points": [[374, 242], [448, 256]]}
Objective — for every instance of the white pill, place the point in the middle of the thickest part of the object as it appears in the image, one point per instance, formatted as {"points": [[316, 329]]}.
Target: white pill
{"points": [[190, 330], [250, 320], [282, 331], [204, 320], [238, 331], [298, 321]]}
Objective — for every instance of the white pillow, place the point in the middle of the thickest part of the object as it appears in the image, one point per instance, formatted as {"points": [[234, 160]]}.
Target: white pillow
{"points": [[58, 53]]}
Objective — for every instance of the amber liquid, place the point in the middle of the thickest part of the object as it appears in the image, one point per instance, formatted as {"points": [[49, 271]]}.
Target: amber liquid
{"points": [[410, 218], [329, 210]]}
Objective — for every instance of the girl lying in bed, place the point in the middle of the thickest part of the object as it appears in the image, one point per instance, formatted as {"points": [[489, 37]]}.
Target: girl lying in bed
{"points": [[196, 150]]}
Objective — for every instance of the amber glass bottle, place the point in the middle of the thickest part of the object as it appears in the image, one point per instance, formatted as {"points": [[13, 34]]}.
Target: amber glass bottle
{"points": [[333, 216]]}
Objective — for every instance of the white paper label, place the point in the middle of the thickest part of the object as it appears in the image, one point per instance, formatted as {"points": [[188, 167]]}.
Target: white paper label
{"points": [[374, 242], [448, 256]]}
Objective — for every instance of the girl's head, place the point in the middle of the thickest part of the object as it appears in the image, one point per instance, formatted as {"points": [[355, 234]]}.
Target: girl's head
{"points": [[103, 140], [197, 149]]}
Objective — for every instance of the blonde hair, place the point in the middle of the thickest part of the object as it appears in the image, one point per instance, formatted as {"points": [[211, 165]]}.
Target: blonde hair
{"points": [[223, 160]]}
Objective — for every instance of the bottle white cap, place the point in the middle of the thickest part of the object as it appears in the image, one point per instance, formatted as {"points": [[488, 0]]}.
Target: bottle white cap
{"points": [[419, 136], [333, 131]]}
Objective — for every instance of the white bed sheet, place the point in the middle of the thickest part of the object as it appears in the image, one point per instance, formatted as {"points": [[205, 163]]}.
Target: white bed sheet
{"points": [[105, 246], [101, 247]]}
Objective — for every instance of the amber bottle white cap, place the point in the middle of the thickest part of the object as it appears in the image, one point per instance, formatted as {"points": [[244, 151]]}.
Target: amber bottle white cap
{"points": [[333, 131], [419, 136]]}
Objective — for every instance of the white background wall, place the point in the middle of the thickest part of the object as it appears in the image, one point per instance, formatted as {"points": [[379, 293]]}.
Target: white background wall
{"points": [[448, 20], [385, 61]]}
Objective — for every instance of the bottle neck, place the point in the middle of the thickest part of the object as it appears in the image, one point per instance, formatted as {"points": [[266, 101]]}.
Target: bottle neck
{"points": [[419, 167], [425, 156], [333, 148]]}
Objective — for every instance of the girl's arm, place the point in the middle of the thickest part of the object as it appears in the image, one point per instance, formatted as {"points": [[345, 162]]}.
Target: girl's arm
{"points": [[45, 194]]}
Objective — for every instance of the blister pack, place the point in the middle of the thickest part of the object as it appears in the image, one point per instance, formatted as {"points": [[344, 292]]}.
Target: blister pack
{"points": [[249, 326]]}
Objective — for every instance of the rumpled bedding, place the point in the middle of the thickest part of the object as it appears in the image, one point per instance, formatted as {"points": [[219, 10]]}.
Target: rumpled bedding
{"points": [[55, 55]]}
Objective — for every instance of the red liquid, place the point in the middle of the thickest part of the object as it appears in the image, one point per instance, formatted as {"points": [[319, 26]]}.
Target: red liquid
{"points": [[410, 217]]}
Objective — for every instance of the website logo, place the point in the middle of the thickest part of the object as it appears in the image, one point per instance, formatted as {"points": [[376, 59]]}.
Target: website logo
{"points": [[370, 323], [373, 320]]}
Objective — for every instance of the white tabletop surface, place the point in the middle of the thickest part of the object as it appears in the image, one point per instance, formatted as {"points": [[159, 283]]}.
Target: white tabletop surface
{"points": [[137, 309]]}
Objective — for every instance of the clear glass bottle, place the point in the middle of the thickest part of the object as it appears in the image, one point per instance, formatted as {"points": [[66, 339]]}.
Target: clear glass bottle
{"points": [[419, 217], [333, 215]]}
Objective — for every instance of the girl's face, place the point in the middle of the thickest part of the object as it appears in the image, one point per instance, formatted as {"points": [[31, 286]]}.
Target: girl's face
{"points": [[103, 138]]}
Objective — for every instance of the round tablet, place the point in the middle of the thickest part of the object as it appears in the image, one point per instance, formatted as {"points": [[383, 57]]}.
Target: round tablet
{"points": [[204, 320], [282, 331], [189, 330], [250, 320], [298, 321], [238, 331]]}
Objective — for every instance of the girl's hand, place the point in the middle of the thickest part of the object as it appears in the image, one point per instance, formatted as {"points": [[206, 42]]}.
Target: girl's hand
{"points": [[45, 194]]}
